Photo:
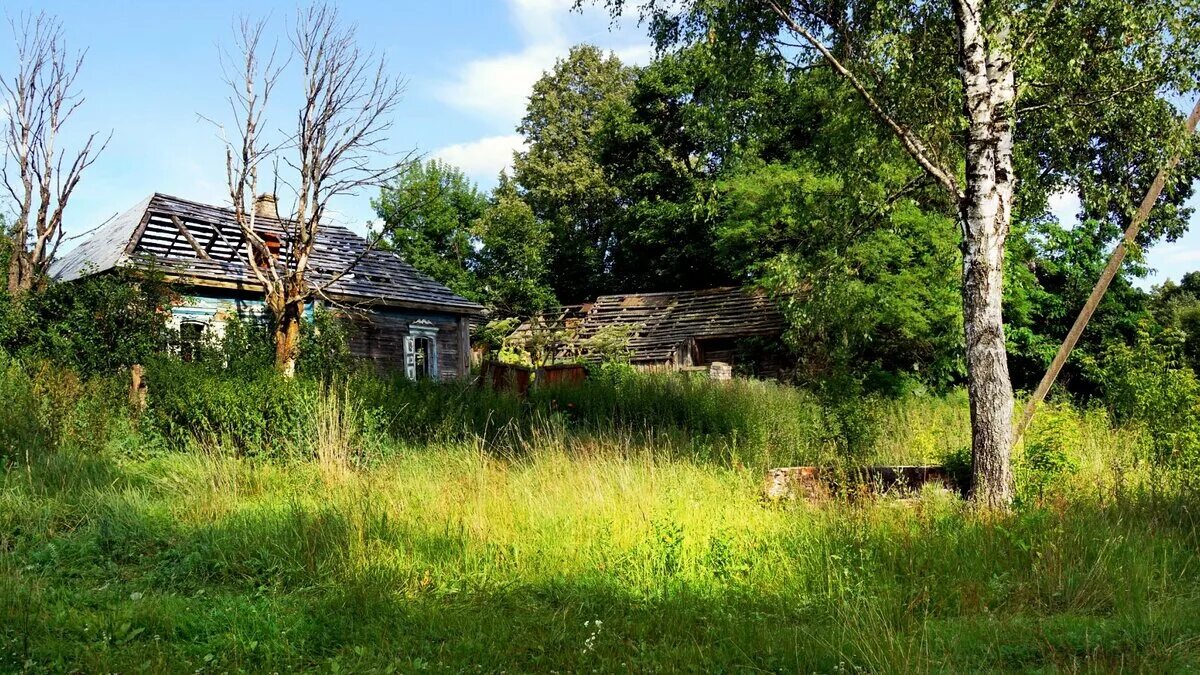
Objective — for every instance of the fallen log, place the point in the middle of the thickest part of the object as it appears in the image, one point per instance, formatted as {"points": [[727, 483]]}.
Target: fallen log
{"points": [[822, 482]]}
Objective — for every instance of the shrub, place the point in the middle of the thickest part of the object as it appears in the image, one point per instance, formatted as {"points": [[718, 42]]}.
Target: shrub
{"points": [[46, 407], [960, 466], [1051, 451], [100, 324], [29, 423], [1151, 386], [253, 412]]}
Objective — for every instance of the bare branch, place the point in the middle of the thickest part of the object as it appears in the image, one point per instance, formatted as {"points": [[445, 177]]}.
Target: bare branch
{"points": [[912, 143], [39, 99], [334, 149]]}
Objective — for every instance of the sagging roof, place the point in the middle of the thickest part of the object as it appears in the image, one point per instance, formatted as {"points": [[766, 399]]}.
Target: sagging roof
{"points": [[168, 234], [667, 320], [564, 318]]}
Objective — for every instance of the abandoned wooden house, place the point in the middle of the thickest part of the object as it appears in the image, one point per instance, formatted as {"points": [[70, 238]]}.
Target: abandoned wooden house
{"points": [[680, 330], [398, 317]]}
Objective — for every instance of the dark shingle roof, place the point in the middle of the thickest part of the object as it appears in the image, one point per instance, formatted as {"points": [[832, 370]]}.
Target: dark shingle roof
{"points": [[665, 320], [150, 236]]}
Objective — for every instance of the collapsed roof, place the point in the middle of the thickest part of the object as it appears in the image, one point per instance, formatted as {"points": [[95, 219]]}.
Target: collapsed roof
{"points": [[202, 245], [660, 324]]}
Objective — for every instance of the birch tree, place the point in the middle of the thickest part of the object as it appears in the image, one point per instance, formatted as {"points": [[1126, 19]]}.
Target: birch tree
{"points": [[335, 148], [37, 101], [944, 80]]}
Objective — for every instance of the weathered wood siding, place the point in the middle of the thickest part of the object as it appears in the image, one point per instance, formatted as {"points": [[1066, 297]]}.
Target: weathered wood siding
{"points": [[379, 336]]}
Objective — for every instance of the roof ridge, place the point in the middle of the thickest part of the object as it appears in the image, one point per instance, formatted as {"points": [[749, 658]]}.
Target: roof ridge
{"points": [[713, 290]]}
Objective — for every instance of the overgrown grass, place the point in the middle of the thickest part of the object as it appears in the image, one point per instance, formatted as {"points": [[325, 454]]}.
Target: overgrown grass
{"points": [[535, 539], [743, 422]]}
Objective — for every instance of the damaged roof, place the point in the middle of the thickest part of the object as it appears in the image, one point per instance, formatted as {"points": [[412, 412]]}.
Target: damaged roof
{"points": [[664, 321], [202, 245]]}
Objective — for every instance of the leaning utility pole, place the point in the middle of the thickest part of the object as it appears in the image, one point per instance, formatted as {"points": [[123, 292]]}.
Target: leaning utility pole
{"points": [[1114, 265]]}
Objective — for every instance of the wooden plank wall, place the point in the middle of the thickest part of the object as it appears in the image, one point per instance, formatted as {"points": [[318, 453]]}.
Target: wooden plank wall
{"points": [[380, 337]]}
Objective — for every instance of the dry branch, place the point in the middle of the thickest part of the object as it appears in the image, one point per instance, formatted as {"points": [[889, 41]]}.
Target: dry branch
{"points": [[40, 98]]}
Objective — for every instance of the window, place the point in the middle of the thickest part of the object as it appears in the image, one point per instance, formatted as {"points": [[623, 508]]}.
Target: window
{"points": [[420, 351], [424, 356], [191, 337]]}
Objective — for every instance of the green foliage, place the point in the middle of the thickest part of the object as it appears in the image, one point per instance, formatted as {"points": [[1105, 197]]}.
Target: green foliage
{"points": [[28, 420], [491, 335], [99, 324], [572, 546], [512, 259], [48, 408], [325, 345], [736, 142], [959, 465], [428, 216], [879, 303], [611, 343], [253, 412], [560, 175], [1177, 306], [1149, 385], [247, 345], [1051, 451]]}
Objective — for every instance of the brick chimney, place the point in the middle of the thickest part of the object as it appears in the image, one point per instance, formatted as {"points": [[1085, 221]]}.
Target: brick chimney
{"points": [[265, 206]]}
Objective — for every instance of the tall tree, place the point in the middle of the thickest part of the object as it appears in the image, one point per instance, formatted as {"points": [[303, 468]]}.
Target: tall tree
{"points": [[38, 100], [428, 214], [560, 175], [512, 265], [347, 98], [942, 78]]}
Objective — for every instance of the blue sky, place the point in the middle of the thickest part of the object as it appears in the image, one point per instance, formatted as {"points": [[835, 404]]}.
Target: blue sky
{"points": [[152, 69]]}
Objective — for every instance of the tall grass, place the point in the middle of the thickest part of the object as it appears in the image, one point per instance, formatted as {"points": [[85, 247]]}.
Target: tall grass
{"points": [[743, 422], [453, 559], [616, 527]]}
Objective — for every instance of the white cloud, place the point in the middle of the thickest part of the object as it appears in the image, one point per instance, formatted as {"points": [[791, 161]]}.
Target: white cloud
{"points": [[483, 159], [497, 87]]}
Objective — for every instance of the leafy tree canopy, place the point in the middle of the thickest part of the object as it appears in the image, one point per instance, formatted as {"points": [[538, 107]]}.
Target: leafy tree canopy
{"points": [[427, 218]]}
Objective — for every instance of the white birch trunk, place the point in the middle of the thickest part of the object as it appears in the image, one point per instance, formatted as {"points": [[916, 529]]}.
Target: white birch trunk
{"points": [[986, 212]]}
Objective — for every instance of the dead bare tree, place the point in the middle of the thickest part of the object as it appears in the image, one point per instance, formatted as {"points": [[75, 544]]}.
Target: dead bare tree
{"points": [[38, 100], [334, 149]]}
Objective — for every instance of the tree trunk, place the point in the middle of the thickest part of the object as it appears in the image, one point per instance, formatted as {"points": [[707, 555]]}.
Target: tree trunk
{"points": [[287, 339], [986, 211], [20, 272]]}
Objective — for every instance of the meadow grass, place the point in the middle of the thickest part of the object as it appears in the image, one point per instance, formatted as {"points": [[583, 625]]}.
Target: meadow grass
{"points": [[567, 546]]}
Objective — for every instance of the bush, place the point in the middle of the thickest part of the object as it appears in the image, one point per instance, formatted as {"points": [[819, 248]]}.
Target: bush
{"points": [[46, 407], [28, 420], [1051, 451], [97, 325], [254, 412], [1151, 386], [746, 422]]}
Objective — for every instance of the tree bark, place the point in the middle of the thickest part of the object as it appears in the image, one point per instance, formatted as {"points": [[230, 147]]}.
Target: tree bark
{"points": [[20, 272], [287, 337], [986, 210]]}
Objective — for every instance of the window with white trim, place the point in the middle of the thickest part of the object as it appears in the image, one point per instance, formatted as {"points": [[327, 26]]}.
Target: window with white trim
{"points": [[420, 351]]}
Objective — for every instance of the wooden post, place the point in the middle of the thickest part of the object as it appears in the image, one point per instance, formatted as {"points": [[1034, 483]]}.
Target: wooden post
{"points": [[464, 346], [1114, 266]]}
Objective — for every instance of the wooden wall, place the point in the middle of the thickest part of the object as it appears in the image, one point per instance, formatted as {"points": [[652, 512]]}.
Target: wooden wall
{"points": [[375, 334], [379, 336]]}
